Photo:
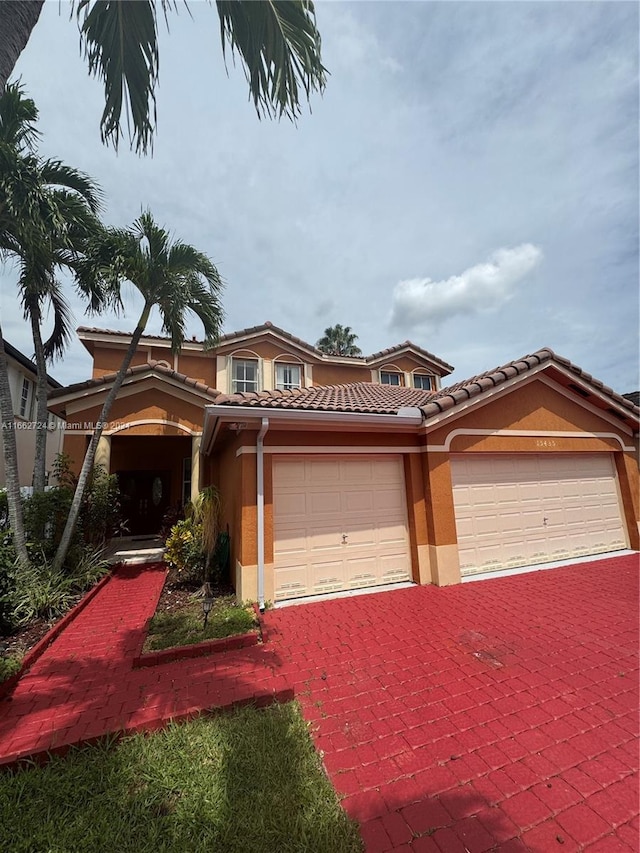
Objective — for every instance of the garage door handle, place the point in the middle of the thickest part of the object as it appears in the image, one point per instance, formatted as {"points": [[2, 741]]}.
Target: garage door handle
{"points": [[344, 538]]}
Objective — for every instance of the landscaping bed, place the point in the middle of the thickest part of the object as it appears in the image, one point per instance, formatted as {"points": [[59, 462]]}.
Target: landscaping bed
{"points": [[178, 620]]}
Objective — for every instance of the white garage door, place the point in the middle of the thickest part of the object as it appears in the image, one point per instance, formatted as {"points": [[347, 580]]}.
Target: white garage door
{"points": [[339, 523], [516, 510]]}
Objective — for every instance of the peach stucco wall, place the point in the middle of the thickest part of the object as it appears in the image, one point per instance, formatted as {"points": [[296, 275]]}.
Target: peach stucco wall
{"points": [[336, 374], [109, 360], [151, 404], [535, 406]]}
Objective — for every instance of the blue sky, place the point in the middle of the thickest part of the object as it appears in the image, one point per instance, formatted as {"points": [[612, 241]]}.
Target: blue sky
{"points": [[469, 180]]}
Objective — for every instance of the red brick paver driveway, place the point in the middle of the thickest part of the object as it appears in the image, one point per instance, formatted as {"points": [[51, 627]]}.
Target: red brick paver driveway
{"points": [[500, 715]]}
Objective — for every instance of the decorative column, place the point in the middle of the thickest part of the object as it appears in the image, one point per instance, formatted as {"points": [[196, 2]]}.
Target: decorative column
{"points": [[195, 465], [103, 453]]}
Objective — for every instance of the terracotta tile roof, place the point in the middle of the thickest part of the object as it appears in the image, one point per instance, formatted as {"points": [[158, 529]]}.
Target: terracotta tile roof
{"points": [[137, 370], [94, 330], [268, 326], [449, 397], [634, 396], [388, 399], [354, 397], [448, 368]]}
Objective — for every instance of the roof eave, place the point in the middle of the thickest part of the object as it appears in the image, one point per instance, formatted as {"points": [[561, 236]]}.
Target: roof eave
{"points": [[407, 418]]}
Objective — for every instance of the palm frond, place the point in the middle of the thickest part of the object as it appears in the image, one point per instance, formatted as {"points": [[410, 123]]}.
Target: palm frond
{"points": [[280, 49], [62, 331], [120, 43], [18, 116], [57, 174]]}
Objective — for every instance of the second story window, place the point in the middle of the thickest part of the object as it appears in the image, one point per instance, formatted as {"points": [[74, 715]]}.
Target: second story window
{"points": [[25, 399], [388, 377], [421, 380], [245, 375], [288, 377]]}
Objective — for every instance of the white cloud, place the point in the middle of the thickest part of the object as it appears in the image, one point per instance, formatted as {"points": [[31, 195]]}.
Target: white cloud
{"points": [[480, 288]]}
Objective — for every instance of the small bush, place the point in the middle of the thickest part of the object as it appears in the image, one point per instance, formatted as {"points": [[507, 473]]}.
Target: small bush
{"points": [[183, 550], [9, 666]]}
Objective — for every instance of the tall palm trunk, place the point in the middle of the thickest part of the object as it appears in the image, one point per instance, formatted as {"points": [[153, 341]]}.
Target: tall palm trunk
{"points": [[89, 459], [42, 412], [17, 20], [10, 451]]}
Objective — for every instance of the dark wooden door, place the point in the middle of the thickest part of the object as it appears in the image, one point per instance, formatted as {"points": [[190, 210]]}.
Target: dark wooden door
{"points": [[145, 497]]}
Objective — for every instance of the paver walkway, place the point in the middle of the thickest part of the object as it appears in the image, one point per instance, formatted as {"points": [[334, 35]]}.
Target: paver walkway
{"points": [[84, 685], [500, 715]]}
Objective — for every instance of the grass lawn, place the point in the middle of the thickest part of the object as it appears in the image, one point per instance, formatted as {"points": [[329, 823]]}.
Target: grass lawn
{"points": [[184, 627], [248, 781]]}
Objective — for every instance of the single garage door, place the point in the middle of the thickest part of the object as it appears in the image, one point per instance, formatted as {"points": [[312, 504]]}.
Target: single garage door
{"points": [[516, 510], [339, 523]]}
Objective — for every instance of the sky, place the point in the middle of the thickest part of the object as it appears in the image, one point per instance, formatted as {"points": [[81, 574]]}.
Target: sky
{"points": [[467, 181]]}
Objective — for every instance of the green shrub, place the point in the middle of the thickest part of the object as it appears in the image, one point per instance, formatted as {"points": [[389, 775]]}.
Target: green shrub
{"points": [[45, 515], [4, 510], [100, 514], [7, 583], [9, 666], [40, 592], [183, 550]]}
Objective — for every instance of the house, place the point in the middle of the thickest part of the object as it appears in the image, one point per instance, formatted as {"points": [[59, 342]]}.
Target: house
{"points": [[344, 473], [22, 383]]}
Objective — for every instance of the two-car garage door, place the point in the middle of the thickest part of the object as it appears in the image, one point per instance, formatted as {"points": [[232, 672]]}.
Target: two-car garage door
{"points": [[339, 523], [516, 510]]}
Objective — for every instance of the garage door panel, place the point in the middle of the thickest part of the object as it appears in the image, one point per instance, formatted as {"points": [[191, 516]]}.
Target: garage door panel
{"points": [[361, 571], [327, 576], [359, 535], [389, 501], [357, 501], [294, 505], [363, 498], [394, 568], [322, 503], [291, 542], [322, 471], [566, 505], [291, 582], [393, 536], [323, 538]]}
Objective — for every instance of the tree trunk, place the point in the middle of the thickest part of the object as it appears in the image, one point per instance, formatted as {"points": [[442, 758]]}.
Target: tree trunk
{"points": [[42, 413], [89, 459], [10, 451], [17, 20]]}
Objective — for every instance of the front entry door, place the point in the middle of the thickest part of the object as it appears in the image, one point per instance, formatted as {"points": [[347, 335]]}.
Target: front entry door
{"points": [[145, 497]]}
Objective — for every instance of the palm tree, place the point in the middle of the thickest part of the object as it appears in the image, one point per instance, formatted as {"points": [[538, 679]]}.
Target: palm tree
{"points": [[47, 211], [277, 41], [339, 340], [170, 275]]}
